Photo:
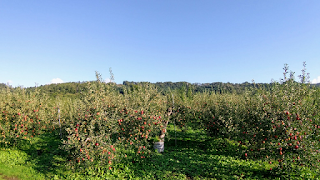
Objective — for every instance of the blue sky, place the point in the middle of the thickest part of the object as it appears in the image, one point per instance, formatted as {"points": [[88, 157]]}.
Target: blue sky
{"points": [[147, 40]]}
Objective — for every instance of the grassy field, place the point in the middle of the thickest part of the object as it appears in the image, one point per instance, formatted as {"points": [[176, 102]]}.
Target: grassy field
{"points": [[193, 156]]}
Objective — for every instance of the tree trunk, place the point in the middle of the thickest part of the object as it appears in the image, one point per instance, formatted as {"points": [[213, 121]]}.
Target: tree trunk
{"points": [[165, 124]]}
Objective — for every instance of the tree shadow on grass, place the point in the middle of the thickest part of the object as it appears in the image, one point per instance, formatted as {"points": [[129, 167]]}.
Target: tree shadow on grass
{"points": [[45, 153], [215, 145], [199, 158]]}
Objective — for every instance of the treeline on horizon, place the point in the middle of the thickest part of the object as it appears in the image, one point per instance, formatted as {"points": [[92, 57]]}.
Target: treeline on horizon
{"points": [[74, 89]]}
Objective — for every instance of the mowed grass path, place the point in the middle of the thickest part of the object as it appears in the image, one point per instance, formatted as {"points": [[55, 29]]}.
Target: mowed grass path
{"points": [[193, 156]]}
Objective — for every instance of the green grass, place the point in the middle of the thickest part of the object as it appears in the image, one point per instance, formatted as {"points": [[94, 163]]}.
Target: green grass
{"points": [[192, 156], [198, 157], [14, 164]]}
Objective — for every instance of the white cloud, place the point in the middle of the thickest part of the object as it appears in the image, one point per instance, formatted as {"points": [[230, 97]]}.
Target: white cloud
{"points": [[9, 82], [56, 81], [315, 81], [107, 80]]}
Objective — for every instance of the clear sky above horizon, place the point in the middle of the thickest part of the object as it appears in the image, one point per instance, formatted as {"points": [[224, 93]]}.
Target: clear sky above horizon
{"points": [[157, 41]]}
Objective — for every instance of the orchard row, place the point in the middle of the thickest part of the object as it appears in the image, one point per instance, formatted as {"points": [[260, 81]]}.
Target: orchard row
{"points": [[103, 126]]}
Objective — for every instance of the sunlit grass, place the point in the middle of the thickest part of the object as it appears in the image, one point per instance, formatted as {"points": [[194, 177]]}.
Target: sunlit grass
{"points": [[192, 156]]}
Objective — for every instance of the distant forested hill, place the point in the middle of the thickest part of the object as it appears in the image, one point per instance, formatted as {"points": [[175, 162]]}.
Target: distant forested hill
{"points": [[74, 89], [216, 87], [316, 85], [2, 85]]}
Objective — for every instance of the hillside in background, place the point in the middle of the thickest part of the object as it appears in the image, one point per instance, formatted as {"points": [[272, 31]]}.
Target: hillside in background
{"points": [[2, 85], [73, 89], [317, 85]]}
